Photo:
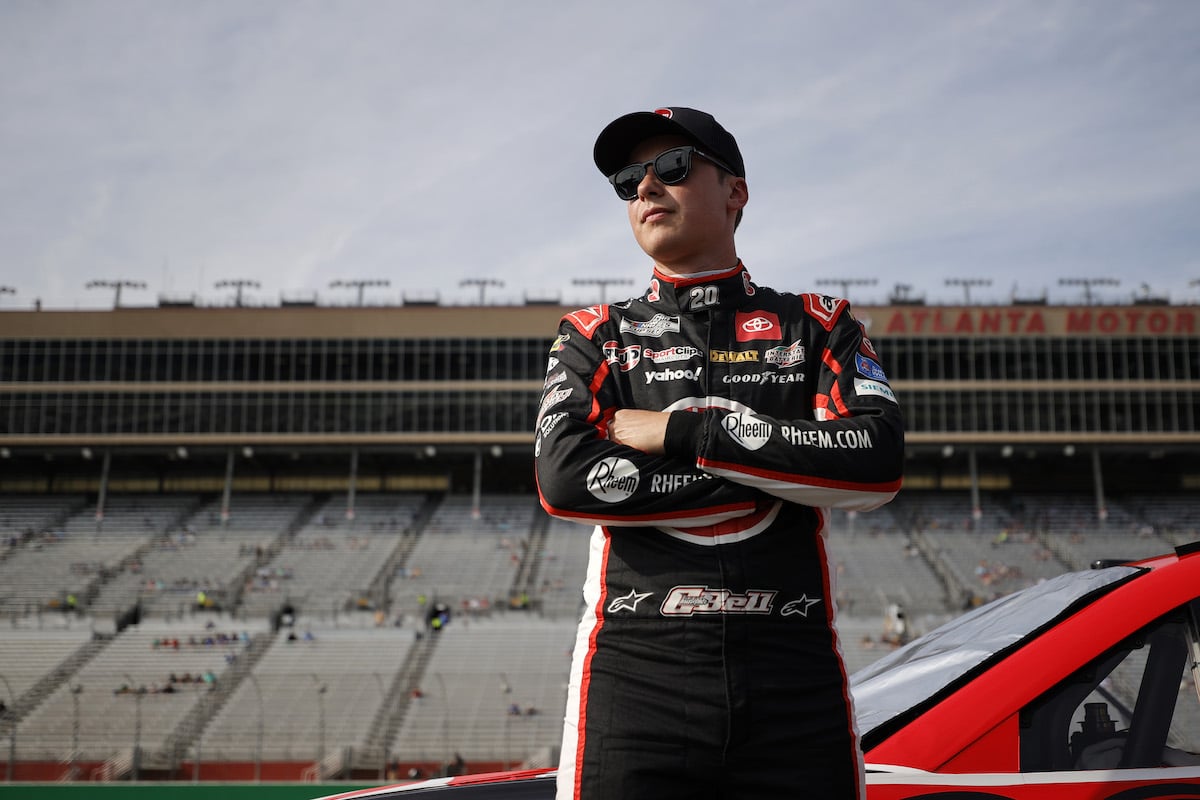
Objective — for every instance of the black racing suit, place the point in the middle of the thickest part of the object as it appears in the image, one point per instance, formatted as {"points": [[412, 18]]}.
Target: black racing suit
{"points": [[707, 662]]}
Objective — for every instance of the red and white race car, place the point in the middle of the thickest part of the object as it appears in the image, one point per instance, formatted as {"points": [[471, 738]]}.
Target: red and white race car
{"points": [[1084, 686]]}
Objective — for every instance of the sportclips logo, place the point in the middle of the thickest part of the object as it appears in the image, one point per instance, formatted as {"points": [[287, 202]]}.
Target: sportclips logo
{"points": [[613, 479], [684, 601]]}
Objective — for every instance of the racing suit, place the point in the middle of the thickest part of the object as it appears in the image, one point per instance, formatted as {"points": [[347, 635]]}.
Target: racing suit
{"points": [[707, 663]]}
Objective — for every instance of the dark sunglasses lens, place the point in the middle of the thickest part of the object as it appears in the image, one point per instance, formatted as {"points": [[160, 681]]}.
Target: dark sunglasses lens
{"points": [[672, 166], [626, 181]]}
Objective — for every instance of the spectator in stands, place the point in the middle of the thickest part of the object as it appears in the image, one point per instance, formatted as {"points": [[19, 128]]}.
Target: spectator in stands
{"points": [[895, 626]]}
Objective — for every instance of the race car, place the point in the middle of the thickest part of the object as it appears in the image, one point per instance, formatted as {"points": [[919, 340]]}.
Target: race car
{"points": [[1086, 685]]}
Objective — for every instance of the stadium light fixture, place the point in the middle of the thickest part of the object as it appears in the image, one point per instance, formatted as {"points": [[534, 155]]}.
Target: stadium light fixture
{"points": [[117, 286], [966, 284], [360, 284], [846, 283], [238, 284], [1087, 284], [603, 283], [482, 283]]}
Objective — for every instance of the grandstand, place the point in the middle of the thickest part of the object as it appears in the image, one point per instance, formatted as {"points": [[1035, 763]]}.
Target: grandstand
{"points": [[340, 685], [332, 511]]}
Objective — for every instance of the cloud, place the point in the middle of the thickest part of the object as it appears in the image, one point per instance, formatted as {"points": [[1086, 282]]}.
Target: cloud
{"points": [[298, 143]]}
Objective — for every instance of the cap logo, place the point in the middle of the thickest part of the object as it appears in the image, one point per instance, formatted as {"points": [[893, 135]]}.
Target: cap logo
{"points": [[663, 112]]}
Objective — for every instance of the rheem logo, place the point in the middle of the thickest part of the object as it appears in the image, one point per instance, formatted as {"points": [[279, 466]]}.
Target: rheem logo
{"points": [[613, 479]]}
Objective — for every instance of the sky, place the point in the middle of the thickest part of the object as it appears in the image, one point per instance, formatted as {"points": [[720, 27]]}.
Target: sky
{"points": [[291, 144]]}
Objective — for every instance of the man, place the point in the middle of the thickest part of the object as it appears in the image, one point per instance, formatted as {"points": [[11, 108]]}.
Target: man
{"points": [[705, 429]]}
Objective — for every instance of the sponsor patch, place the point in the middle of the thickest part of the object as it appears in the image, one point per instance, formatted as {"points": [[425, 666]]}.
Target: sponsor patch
{"points": [[750, 432], [684, 601], [752, 325], [827, 439], [765, 377], [613, 479], [665, 484], [867, 346], [869, 387], [747, 286], [868, 368], [545, 427], [552, 399], [799, 606], [627, 602], [554, 380], [824, 309], [670, 354], [651, 328], [674, 375], [626, 358], [560, 342], [586, 320], [785, 355], [732, 356]]}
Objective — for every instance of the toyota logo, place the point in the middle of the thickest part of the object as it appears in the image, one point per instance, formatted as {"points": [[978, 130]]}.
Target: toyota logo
{"points": [[757, 325]]}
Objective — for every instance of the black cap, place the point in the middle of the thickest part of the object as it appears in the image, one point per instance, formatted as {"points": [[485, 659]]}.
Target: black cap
{"points": [[618, 139]]}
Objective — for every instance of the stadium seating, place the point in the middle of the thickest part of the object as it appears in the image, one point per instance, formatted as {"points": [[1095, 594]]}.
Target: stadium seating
{"points": [[331, 561], [467, 561], [376, 680], [495, 690], [61, 564], [314, 694], [125, 692]]}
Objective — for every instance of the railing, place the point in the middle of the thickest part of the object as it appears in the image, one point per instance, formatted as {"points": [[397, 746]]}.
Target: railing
{"points": [[327, 767], [114, 768]]}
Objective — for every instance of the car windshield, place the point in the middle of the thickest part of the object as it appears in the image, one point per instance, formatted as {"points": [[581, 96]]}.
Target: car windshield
{"points": [[917, 672]]}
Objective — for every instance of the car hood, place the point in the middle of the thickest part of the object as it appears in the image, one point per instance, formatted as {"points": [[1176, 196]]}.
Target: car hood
{"points": [[906, 681]]}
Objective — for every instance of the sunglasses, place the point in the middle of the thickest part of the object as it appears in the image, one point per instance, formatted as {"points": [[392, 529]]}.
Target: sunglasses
{"points": [[670, 166]]}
